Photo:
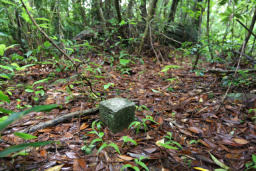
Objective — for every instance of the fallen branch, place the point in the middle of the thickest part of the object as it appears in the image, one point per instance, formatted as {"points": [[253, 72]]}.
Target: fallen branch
{"points": [[221, 71], [61, 119], [250, 58]]}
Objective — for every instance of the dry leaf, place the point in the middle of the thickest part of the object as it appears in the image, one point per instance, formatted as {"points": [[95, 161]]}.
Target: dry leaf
{"points": [[240, 141], [84, 126], [195, 130], [126, 158], [55, 168], [79, 165]]}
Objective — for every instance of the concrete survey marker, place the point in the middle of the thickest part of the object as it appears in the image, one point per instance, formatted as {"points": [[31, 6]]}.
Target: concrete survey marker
{"points": [[117, 113]]}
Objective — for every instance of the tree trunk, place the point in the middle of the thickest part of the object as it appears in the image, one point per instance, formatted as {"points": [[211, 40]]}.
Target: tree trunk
{"points": [[82, 11], [143, 9], [100, 13], [174, 6], [208, 27], [198, 20], [130, 9], [152, 9], [250, 30], [108, 9], [119, 17]]}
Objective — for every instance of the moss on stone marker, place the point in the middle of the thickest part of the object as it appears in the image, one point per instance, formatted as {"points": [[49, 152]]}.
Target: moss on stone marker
{"points": [[117, 113]]}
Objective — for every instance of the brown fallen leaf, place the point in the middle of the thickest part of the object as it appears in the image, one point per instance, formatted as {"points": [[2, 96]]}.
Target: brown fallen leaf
{"points": [[126, 158], [55, 168], [79, 165], [43, 153], [195, 130], [150, 150], [84, 126], [240, 141]]}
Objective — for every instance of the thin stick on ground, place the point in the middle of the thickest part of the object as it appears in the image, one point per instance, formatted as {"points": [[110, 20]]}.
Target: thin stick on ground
{"points": [[229, 87], [151, 42], [61, 119]]}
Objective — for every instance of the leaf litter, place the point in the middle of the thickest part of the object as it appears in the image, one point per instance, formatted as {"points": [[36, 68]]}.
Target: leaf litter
{"points": [[182, 102]]}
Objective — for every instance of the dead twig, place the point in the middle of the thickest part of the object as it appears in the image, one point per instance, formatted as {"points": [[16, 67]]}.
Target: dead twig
{"points": [[151, 42], [61, 119], [221, 71], [229, 87]]}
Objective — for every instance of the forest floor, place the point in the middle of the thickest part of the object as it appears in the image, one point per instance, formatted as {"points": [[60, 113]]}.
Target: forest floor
{"points": [[182, 102]]}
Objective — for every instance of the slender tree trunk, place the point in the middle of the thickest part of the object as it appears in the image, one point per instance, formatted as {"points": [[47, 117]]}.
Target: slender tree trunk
{"points": [[251, 30], [82, 11], [119, 17], [198, 20], [253, 45], [174, 6], [100, 13], [143, 9], [152, 9], [208, 27], [108, 9], [118, 12], [130, 9], [19, 27]]}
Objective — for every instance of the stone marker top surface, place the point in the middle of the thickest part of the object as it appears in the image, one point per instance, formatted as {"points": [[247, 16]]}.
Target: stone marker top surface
{"points": [[117, 103]]}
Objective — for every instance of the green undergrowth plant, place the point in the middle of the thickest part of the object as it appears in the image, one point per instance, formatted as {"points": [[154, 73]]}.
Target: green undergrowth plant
{"points": [[127, 139], [243, 79], [96, 130], [138, 125], [38, 91], [14, 116], [251, 165], [138, 162], [169, 143], [9, 70]]}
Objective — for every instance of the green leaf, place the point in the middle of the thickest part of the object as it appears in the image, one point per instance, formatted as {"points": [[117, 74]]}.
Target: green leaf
{"points": [[128, 139], [20, 147], [124, 62], [155, 91], [167, 67], [142, 165], [17, 115], [6, 76], [114, 146], [3, 110], [2, 49], [3, 118], [122, 23], [104, 145], [24, 135], [47, 44], [106, 86], [41, 81], [95, 140], [8, 2], [254, 158], [7, 68], [4, 97], [165, 145], [29, 90], [216, 161], [42, 19]]}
